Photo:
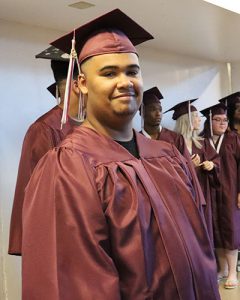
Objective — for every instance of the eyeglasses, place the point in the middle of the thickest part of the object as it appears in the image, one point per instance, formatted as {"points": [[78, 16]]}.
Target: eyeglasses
{"points": [[218, 120]]}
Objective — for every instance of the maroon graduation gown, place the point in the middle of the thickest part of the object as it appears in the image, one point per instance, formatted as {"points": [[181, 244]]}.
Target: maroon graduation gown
{"points": [[44, 134], [174, 138], [209, 180], [101, 224], [178, 141], [227, 214]]}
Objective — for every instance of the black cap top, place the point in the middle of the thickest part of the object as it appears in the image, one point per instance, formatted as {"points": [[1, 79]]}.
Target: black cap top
{"points": [[53, 53], [59, 62], [115, 32], [182, 108], [152, 95], [230, 100], [217, 109]]}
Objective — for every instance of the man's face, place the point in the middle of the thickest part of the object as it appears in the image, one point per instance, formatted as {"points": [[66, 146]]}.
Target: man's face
{"points": [[114, 88], [237, 110], [153, 114], [219, 124]]}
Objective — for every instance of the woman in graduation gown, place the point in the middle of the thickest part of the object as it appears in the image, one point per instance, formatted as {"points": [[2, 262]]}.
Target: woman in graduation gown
{"points": [[204, 157], [109, 214], [226, 210]]}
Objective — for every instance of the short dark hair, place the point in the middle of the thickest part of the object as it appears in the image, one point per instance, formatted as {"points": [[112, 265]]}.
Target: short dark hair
{"points": [[230, 114], [60, 70]]}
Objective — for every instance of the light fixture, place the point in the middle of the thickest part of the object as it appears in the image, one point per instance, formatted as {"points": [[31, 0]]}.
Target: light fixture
{"points": [[81, 5], [233, 5]]}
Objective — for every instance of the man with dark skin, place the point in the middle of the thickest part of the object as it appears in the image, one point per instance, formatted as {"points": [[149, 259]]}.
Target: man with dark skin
{"points": [[102, 231], [152, 118]]}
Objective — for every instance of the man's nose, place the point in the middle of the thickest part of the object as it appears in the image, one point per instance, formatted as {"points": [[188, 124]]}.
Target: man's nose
{"points": [[124, 81]]}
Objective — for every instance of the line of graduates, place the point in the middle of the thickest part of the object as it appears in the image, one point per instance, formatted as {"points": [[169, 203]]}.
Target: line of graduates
{"points": [[104, 212], [215, 154]]}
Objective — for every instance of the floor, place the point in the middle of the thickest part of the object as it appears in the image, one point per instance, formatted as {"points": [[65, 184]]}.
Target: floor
{"points": [[229, 294]]}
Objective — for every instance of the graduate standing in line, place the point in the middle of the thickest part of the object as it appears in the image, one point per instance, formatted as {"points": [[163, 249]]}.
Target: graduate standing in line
{"points": [[44, 134], [151, 114], [109, 214], [205, 159], [226, 210]]}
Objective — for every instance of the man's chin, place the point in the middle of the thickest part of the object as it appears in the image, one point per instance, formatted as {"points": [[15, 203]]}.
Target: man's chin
{"points": [[125, 112]]}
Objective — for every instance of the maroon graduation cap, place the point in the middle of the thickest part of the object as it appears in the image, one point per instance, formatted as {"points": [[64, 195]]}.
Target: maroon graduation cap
{"points": [[113, 32], [182, 108]]}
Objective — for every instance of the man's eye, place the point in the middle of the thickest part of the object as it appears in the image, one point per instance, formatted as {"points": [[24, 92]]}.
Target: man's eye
{"points": [[109, 74], [132, 72]]}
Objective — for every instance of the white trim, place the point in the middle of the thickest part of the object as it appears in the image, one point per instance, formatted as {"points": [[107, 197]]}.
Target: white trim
{"points": [[219, 143], [148, 135]]}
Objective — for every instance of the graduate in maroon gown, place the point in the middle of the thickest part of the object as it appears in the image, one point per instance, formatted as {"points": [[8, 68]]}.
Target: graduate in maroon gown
{"points": [[233, 111], [204, 157], [44, 134], [151, 114], [109, 214], [227, 204]]}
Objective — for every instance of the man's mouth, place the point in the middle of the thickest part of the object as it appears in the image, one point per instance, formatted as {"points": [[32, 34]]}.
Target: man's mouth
{"points": [[124, 95]]}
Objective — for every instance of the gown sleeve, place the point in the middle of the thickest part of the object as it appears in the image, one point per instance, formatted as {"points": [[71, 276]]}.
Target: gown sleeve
{"points": [[238, 163], [66, 250], [182, 147], [211, 155], [194, 182], [36, 143]]}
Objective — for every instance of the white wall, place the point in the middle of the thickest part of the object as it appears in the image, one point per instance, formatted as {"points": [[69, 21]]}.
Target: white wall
{"points": [[24, 97], [180, 78]]}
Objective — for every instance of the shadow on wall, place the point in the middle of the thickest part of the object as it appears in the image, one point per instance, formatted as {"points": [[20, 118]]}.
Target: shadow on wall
{"points": [[180, 78]]}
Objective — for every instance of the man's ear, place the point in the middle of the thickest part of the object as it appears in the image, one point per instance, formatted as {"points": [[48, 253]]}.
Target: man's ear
{"points": [[75, 87], [82, 83]]}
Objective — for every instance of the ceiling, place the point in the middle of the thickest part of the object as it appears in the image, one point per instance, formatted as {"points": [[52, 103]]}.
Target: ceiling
{"points": [[189, 27]]}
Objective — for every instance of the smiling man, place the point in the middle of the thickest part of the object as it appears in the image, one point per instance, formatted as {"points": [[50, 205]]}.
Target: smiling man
{"points": [[109, 214], [115, 88]]}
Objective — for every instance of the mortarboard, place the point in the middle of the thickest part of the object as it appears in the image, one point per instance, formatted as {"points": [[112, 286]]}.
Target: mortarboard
{"points": [[182, 108], [59, 65], [217, 109], [59, 62], [54, 54], [152, 95], [230, 100], [113, 32]]}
